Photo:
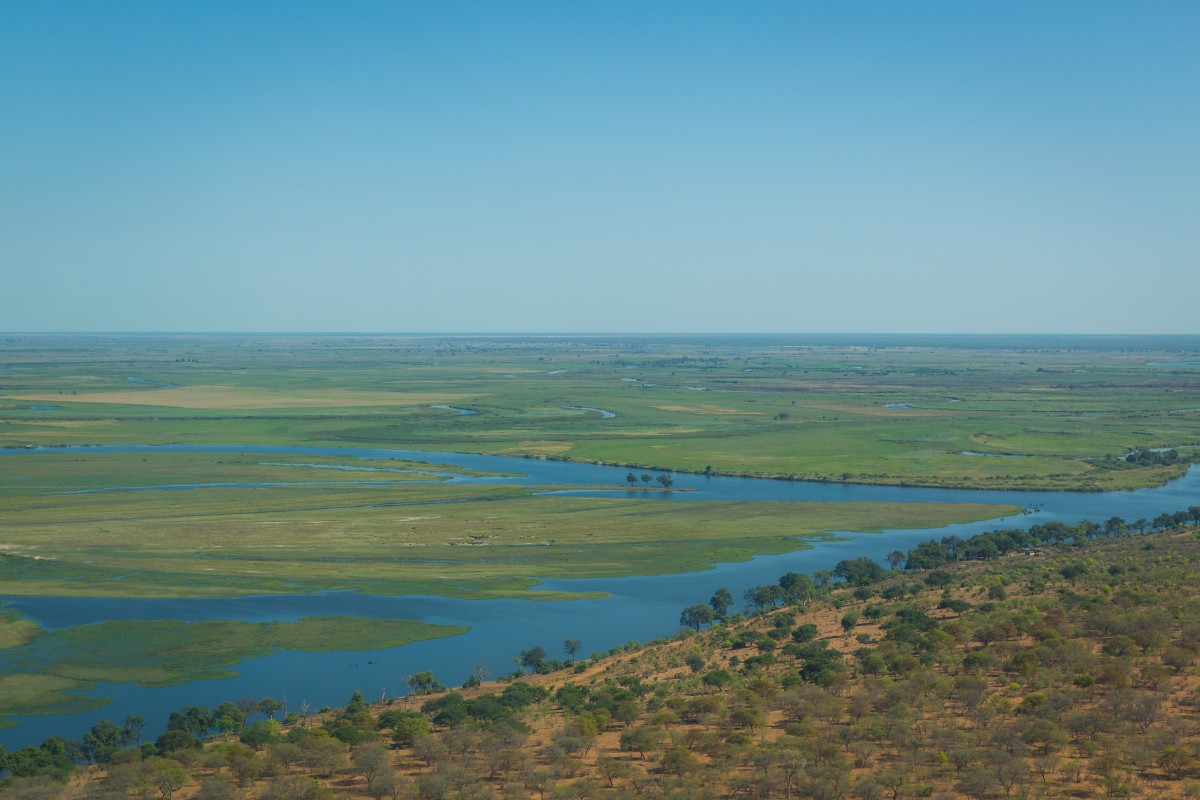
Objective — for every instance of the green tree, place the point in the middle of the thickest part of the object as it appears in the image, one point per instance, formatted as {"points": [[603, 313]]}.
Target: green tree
{"points": [[696, 616], [372, 761], [408, 729], [168, 776], [641, 740], [721, 602], [131, 732], [102, 741], [532, 658], [860, 571], [679, 761], [269, 705], [424, 683], [260, 733]]}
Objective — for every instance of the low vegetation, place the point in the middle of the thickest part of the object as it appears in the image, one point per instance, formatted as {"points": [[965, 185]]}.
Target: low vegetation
{"points": [[63, 537], [990, 412]]}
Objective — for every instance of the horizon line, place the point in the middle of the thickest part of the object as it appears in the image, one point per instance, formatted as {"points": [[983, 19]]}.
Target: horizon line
{"points": [[433, 333]]}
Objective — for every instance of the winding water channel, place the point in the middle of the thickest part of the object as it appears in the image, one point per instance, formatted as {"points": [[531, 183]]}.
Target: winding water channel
{"points": [[637, 608]]}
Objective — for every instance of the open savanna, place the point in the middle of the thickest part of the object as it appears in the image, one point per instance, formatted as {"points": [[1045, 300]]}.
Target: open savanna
{"points": [[1069, 408]]}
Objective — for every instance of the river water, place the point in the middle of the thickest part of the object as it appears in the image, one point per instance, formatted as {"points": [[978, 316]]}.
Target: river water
{"points": [[638, 608]]}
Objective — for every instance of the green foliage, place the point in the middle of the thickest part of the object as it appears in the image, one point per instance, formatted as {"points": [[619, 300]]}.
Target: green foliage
{"points": [[859, 571]]}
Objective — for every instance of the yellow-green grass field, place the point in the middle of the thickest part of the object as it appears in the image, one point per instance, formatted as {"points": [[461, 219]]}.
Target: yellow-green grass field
{"points": [[464, 540], [738, 408]]}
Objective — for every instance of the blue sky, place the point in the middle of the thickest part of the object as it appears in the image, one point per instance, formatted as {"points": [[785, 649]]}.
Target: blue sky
{"points": [[602, 166]]}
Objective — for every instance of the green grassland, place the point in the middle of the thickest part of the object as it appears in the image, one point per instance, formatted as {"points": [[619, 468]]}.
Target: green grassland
{"points": [[48, 671], [1070, 413], [84, 472], [460, 540]]}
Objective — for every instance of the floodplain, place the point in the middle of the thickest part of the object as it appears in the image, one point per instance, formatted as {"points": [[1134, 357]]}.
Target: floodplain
{"points": [[1046, 414]]}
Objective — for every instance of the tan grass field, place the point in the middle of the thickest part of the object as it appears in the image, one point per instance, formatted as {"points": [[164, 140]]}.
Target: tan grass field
{"points": [[707, 410], [235, 398]]}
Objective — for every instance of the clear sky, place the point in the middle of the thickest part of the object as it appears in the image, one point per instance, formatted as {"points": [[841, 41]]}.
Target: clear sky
{"points": [[600, 166]]}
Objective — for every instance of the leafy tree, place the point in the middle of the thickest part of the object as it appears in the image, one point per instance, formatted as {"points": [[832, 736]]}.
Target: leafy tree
{"points": [[406, 726], [760, 597], [102, 741], [450, 709], [532, 658], [323, 755], [718, 678], [424, 683], [131, 731], [860, 571], [260, 733], [679, 761], [168, 776], [720, 602], [927, 555], [571, 646], [371, 761], [1073, 572], [55, 758], [797, 586], [176, 739], [357, 703], [248, 705], [229, 717], [696, 616], [269, 705], [641, 740], [804, 633], [196, 720]]}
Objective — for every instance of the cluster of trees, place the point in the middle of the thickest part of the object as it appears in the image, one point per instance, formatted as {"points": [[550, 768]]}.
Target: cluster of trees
{"points": [[665, 480], [990, 544], [1145, 457], [794, 588], [536, 660]]}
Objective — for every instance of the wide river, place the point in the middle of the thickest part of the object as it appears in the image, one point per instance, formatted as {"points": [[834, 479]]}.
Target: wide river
{"points": [[637, 608]]}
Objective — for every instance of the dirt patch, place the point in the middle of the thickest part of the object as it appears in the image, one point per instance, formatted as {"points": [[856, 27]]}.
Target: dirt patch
{"points": [[707, 410]]}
